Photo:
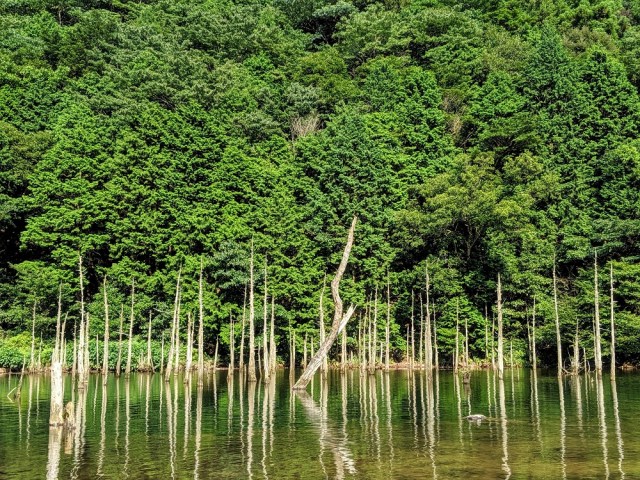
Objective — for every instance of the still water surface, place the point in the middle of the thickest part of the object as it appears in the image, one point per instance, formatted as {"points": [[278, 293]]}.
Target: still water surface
{"points": [[397, 425]]}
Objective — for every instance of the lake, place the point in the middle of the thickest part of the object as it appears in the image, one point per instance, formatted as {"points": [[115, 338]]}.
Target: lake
{"points": [[397, 425]]}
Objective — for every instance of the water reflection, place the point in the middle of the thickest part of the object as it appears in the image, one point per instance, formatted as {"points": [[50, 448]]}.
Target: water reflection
{"points": [[616, 418], [384, 425], [327, 438], [563, 428], [602, 422], [503, 430]]}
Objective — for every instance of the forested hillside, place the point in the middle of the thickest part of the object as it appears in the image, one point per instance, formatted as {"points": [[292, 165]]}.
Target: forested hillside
{"points": [[478, 137]]}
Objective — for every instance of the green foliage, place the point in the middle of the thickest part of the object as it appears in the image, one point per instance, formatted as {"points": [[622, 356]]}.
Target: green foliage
{"points": [[478, 137]]}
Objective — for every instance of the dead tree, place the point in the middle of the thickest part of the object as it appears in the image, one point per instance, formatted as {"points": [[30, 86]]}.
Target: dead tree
{"points": [[428, 347], [119, 360], [613, 327], [172, 340], [127, 370], [557, 318], [596, 301], [56, 412], [105, 353], [500, 335], [251, 366], [340, 319]]}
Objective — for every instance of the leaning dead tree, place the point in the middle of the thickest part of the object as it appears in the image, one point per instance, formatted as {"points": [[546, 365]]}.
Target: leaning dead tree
{"points": [[340, 319]]}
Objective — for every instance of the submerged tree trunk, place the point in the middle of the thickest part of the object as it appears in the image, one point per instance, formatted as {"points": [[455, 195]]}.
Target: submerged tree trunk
{"points": [[428, 347], [172, 339], [201, 327], [324, 365], [596, 300], [533, 336], [436, 354], [56, 411], [265, 331], [387, 329], [576, 350], [189, 353], [32, 362], [82, 343], [119, 360], [251, 367], [272, 338], [105, 353], [127, 370], [613, 327], [457, 351], [557, 319], [232, 342], [500, 336], [339, 319], [149, 362], [244, 311]]}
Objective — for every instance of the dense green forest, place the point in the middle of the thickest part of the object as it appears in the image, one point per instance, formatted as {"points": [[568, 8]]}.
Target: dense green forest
{"points": [[476, 137]]}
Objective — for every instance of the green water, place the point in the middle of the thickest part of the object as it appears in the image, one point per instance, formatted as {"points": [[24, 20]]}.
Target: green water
{"points": [[394, 425]]}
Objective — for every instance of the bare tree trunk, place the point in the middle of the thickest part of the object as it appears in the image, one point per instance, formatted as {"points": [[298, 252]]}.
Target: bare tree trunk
{"points": [[493, 341], [74, 362], [162, 355], [304, 352], [292, 351], [176, 349], [500, 335], [82, 373], [201, 327], [387, 329], [533, 336], [244, 309], [232, 342], [119, 361], [457, 350], [421, 359], [251, 368], [576, 350], [324, 365], [613, 326], [596, 295], [428, 347], [272, 338], [215, 356], [172, 339], [435, 339], [265, 331], [557, 319], [149, 357], [486, 334], [466, 341], [105, 353], [339, 319], [56, 417], [32, 362], [374, 330], [412, 350], [127, 369], [189, 354]]}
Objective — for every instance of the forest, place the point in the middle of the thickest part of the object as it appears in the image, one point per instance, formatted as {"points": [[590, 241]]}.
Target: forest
{"points": [[472, 139]]}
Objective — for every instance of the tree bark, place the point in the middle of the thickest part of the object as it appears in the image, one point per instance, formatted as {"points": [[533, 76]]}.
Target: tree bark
{"points": [[105, 353], [613, 327], [557, 319], [596, 299], [127, 370], [500, 335], [340, 319], [251, 367]]}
